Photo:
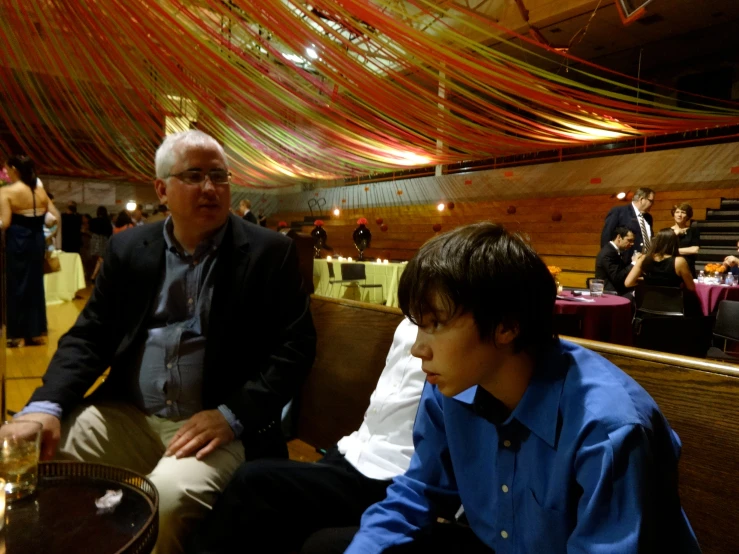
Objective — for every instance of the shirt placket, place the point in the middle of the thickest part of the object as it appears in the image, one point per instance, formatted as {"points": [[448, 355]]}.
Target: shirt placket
{"points": [[506, 468]]}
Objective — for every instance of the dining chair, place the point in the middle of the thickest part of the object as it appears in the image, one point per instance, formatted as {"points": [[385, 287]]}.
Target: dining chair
{"points": [[661, 301], [356, 273], [725, 330]]}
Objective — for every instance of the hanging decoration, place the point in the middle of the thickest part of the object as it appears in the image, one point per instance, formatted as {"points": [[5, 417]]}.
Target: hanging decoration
{"points": [[436, 227], [90, 91]]}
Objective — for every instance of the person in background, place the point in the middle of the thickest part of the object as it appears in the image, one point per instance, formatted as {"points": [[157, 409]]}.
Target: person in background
{"points": [[634, 216], [122, 222], [610, 264], [262, 219], [688, 236], [23, 207], [732, 262], [662, 265], [161, 214], [101, 230], [247, 214], [316, 507], [181, 404], [137, 216], [71, 229], [549, 447]]}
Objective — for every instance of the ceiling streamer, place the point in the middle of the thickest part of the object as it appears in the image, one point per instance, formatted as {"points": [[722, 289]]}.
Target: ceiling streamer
{"points": [[303, 92]]}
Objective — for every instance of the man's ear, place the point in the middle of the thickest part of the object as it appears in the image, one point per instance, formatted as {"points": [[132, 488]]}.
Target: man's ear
{"points": [[160, 186], [506, 333]]}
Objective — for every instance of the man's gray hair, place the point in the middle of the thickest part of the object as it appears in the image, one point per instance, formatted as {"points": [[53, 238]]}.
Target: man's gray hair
{"points": [[166, 156], [642, 193]]}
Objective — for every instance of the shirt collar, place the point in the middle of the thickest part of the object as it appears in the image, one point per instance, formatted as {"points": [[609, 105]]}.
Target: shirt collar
{"points": [[538, 409], [616, 247], [209, 245], [638, 213]]}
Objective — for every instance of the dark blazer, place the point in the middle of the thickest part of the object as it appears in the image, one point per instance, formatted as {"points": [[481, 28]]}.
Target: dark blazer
{"points": [[625, 216], [611, 267], [250, 217], [252, 365]]}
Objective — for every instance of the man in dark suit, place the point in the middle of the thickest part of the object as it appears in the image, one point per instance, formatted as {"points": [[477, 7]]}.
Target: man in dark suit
{"points": [[635, 217], [610, 264], [71, 229], [166, 315], [248, 215]]}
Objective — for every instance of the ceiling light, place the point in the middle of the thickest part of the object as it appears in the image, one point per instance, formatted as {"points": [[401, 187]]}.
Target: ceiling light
{"points": [[130, 205], [621, 195], [440, 207], [336, 212], [311, 53]]}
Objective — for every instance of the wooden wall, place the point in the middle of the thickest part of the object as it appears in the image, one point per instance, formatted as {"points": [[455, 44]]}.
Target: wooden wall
{"points": [[570, 243]]}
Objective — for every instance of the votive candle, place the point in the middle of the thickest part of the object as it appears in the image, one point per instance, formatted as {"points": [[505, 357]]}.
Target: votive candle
{"points": [[329, 258], [385, 261], [2, 503]]}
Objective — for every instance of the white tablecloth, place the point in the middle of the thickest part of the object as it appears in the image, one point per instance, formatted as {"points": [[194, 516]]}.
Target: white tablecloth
{"points": [[387, 275], [62, 286]]}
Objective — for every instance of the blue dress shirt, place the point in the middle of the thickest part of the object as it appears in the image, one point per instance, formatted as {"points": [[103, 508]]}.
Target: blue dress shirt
{"points": [[585, 463]]}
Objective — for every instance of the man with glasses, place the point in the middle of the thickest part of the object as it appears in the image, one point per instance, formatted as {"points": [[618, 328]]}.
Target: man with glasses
{"points": [[165, 316], [636, 218]]}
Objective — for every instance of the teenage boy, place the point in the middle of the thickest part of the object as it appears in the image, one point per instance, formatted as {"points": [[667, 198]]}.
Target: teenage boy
{"points": [[548, 446]]}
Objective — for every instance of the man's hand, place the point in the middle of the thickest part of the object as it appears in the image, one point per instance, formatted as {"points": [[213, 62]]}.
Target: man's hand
{"points": [[202, 433], [50, 432]]}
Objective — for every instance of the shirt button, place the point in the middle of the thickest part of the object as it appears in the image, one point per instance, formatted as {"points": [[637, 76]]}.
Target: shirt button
{"points": [[504, 534], [169, 366], [507, 444], [169, 402], [189, 300], [505, 488]]}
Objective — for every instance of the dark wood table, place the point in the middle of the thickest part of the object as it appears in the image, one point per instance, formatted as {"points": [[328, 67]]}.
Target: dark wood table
{"points": [[61, 516]]}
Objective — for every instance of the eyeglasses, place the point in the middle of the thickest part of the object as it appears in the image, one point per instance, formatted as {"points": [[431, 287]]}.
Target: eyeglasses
{"points": [[197, 176]]}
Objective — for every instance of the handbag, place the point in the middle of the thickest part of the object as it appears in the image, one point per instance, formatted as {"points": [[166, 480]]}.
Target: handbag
{"points": [[51, 263]]}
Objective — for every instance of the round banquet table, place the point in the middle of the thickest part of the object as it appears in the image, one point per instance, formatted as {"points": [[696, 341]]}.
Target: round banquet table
{"points": [[61, 515], [608, 319], [710, 296]]}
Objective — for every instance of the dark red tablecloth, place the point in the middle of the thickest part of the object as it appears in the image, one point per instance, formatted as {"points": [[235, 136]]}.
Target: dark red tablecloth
{"points": [[709, 296], [608, 319]]}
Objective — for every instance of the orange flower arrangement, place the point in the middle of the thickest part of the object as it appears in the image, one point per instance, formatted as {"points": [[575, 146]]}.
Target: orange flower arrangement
{"points": [[713, 268], [554, 270]]}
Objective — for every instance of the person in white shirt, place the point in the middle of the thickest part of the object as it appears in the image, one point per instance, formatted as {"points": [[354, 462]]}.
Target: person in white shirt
{"points": [[316, 507]]}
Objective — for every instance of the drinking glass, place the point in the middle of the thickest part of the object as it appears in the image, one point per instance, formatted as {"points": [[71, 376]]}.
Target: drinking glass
{"points": [[596, 287], [20, 448]]}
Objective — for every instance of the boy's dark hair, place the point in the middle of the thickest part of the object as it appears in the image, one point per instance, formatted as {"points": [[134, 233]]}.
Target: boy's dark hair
{"points": [[486, 271]]}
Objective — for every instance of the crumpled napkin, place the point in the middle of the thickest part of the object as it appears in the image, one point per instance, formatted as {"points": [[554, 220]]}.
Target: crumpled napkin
{"points": [[108, 502]]}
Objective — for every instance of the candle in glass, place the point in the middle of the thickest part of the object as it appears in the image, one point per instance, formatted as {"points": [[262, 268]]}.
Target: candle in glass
{"points": [[2, 503]]}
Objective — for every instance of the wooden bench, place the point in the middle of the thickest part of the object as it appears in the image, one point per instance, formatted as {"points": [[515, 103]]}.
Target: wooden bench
{"points": [[699, 398]]}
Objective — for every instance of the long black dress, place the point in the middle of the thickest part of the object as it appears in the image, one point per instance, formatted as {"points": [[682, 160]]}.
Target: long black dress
{"points": [[25, 248]]}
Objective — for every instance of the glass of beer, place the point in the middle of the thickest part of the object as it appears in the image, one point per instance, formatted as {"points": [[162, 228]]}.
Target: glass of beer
{"points": [[20, 448]]}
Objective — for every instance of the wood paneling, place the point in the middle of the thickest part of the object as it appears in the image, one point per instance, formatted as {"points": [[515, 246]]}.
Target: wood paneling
{"points": [[570, 243]]}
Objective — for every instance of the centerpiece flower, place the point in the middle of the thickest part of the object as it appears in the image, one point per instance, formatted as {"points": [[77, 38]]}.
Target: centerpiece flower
{"points": [[362, 237]]}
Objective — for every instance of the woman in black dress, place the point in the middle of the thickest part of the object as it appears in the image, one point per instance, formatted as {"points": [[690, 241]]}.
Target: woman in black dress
{"points": [[22, 209], [688, 236], [662, 265]]}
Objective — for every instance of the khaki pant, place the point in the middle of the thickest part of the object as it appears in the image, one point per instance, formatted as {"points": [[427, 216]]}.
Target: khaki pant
{"points": [[121, 435]]}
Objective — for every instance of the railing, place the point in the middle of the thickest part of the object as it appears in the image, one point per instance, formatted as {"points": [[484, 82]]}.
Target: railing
{"points": [[318, 203]]}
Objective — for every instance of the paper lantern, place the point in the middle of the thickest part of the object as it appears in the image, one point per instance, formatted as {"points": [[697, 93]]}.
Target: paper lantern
{"points": [[379, 221], [556, 216], [511, 209], [437, 227], [450, 205], [383, 227]]}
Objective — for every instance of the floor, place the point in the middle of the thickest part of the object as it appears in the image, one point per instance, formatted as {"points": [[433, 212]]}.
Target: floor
{"points": [[27, 364]]}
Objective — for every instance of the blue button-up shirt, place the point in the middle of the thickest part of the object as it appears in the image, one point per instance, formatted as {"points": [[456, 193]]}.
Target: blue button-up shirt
{"points": [[585, 463]]}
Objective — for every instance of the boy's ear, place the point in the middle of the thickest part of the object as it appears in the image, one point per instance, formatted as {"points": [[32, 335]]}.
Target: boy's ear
{"points": [[506, 333]]}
